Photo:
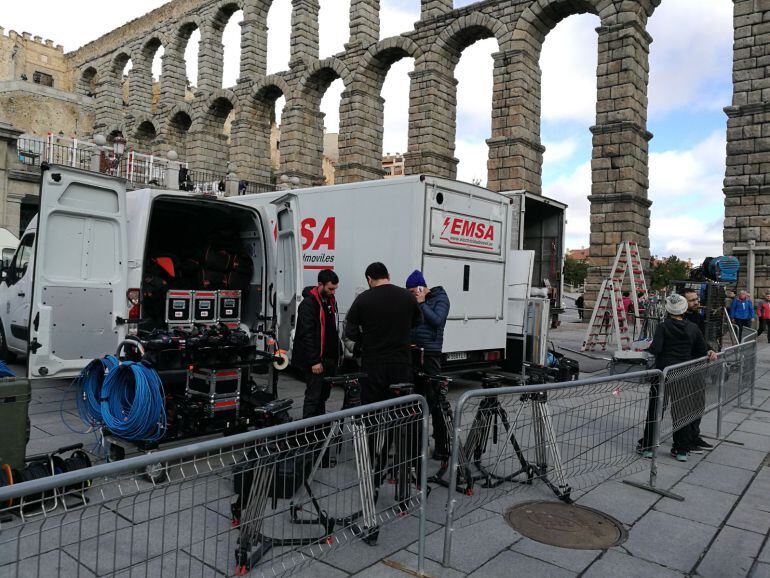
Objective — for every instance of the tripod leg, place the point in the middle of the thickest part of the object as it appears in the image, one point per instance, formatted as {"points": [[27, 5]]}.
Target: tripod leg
{"points": [[548, 440], [367, 490], [252, 520], [511, 430]]}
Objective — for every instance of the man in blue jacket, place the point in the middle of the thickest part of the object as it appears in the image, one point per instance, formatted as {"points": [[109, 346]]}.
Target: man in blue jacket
{"points": [[742, 312], [428, 338]]}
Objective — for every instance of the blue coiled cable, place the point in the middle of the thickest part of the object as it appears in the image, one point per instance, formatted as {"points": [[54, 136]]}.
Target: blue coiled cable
{"points": [[88, 388], [5, 371], [133, 403]]}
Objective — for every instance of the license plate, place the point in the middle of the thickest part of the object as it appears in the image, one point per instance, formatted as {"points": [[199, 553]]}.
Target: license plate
{"points": [[457, 356]]}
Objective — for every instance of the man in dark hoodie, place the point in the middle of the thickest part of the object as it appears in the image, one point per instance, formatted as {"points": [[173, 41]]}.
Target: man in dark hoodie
{"points": [[316, 341], [676, 340], [428, 338]]}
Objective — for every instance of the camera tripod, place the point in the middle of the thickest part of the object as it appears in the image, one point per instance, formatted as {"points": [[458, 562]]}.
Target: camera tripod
{"points": [[253, 544], [489, 415]]}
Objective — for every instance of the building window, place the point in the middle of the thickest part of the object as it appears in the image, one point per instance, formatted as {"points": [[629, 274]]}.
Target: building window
{"points": [[42, 78], [387, 170], [398, 171]]}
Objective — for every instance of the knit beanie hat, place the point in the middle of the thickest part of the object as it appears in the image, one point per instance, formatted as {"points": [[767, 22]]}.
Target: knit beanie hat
{"points": [[415, 280], [676, 304]]}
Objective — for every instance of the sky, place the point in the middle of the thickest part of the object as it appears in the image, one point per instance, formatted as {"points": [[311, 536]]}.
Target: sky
{"points": [[690, 84]]}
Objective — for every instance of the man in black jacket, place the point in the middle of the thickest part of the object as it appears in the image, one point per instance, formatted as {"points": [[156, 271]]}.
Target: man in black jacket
{"points": [[676, 341], [696, 442], [428, 339], [316, 341], [381, 320]]}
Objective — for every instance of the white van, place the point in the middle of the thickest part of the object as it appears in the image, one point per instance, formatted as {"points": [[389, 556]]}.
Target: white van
{"points": [[456, 233], [78, 274]]}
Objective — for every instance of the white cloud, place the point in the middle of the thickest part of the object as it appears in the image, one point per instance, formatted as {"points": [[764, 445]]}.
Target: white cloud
{"points": [[397, 16], [278, 36], [568, 62], [683, 173], [558, 151], [473, 161], [691, 56], [333, 26], [395, 91]]}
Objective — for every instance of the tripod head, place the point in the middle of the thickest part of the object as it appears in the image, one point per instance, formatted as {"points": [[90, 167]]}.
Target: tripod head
{"points": [[492, 381], [402, 389], [438, 384], [351, 384]]}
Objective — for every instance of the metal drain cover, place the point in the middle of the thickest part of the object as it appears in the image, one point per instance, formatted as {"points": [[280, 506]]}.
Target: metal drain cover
{"points": [[566, 525]]}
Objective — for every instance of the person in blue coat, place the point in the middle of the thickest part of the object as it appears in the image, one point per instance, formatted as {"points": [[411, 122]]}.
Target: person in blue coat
{"points": [[742, 312], [428, 340]]}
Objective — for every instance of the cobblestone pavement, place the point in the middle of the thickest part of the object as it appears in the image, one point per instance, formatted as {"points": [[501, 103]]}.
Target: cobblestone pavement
{"points": [[719, 530]]}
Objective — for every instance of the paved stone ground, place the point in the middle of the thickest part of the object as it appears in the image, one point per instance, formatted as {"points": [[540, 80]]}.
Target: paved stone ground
{"points": [[719, 530]]}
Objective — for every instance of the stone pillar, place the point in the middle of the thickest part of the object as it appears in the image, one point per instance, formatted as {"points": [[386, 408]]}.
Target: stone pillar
{"points": [[432, 124], [620, 209], [304, 30], [173, 79], [515, 153], [433, 8], [364, 23], [302, 130], [253, 49], [360, 140], [109, 102], [747, 178], [207, 150], [140, 87], [250, 160], [210, 57]]}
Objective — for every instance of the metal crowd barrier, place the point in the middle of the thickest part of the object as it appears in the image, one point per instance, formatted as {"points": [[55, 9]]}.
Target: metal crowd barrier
{"points": [[265, 502], [690, 391], [556, 438]]}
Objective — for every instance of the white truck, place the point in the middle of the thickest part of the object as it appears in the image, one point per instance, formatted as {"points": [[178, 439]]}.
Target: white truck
{"points": [[78, 275], [84, 265], [456, 233]]}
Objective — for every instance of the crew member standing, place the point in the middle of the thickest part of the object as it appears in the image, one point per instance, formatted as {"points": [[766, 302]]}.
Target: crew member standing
{"points": [[696, 443], [742, 312], [316, 342], [763, 315], [428, 338], [381, 319]]}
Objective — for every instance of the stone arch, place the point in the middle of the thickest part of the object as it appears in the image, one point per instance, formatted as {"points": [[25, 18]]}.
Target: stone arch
{"points": [[88, 82], [175, 129], [175, 80], [211, 54], [254, 133], [140, 83], [320, 74], [208, 144], [361, 135], [144, 134], [463, 32]]}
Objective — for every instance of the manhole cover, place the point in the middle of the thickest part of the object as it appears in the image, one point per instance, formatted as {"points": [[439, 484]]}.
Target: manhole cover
{"points": [[566, 525]]}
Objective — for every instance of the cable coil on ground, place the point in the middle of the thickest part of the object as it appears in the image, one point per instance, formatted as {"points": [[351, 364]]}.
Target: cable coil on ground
{"points": [[88, 386], [132, 403]]}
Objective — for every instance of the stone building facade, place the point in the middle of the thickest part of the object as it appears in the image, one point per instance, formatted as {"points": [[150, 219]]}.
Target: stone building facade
{"points": [[195, 126]]}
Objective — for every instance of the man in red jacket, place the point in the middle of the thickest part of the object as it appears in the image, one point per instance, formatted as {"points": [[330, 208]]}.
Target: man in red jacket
{"points": [[316, 342], [763, 314]]}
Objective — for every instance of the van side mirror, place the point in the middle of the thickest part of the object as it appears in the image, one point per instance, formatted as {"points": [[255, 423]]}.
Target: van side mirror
{"points": [[3, 273]]}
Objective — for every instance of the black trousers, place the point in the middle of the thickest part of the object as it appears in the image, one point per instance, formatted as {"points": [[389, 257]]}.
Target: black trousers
{"points": [[683, 437], [380, 376], [764, 326], [429, 362], [741, 323], [316, 390]]}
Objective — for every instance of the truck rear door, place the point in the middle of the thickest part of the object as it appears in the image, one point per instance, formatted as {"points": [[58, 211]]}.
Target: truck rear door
{"points": [[80, 271], [465, 252], [288, 274]]}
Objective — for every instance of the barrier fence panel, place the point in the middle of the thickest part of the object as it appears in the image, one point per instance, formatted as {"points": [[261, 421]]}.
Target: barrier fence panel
{"points": [[266, 503], [552, 439]]}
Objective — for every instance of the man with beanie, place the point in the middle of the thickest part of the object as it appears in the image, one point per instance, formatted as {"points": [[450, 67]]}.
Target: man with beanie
{"points": [[676, 340], [428, 339], [381, 320], [693, 314], [742, 312], [316, 342]]}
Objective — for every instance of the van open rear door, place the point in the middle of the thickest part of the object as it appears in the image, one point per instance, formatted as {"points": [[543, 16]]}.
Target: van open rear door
{"points": [[80, 271], [288, 269]]}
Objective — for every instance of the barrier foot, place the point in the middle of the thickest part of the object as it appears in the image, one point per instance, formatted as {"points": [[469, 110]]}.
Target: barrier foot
{"points": [[725, 440], [649, 488]]}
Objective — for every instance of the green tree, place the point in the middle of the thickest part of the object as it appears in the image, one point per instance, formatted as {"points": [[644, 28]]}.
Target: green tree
{"points": [[575, 271], [668, 269]]}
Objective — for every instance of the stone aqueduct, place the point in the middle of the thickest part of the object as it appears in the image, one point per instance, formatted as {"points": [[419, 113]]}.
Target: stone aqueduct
{"points": [[620, 209]]}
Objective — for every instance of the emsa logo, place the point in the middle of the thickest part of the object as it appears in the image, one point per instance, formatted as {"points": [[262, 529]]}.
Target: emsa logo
{"points": [[459, 227], [316, 237]]}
